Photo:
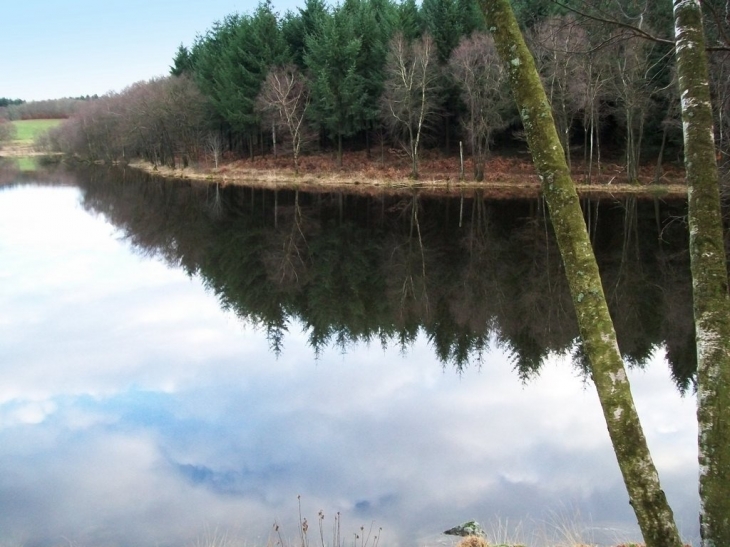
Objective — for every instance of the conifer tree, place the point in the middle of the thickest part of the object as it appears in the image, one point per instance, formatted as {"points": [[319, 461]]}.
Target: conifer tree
{"points": [[409, 20], [296, 26], [331, 57], [182, 62], [374, 21]]}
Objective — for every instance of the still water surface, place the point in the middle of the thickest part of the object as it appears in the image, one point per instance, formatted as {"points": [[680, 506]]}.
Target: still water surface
{"points": [[158, 388]]}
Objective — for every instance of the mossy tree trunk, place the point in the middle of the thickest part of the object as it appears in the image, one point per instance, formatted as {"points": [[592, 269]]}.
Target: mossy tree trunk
{"points": [[709, 275], [652, 511]]}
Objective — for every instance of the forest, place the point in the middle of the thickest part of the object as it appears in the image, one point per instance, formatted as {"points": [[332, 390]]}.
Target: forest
{"points": [[386, 75]]}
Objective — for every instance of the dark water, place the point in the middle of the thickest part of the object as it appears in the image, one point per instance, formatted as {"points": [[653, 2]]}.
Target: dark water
{"points": [[180, 363]]}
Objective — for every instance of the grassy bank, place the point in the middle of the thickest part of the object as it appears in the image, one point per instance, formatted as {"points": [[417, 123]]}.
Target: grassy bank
{"points": [[504, 177], [28, 130]]}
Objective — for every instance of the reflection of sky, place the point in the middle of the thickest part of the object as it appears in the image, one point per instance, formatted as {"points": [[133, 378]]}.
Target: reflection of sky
{"points": [[133, 411]]}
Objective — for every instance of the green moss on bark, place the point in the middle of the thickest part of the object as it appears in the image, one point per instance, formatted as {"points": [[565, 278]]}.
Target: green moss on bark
{"points": [[709, 275], [642, 482]]}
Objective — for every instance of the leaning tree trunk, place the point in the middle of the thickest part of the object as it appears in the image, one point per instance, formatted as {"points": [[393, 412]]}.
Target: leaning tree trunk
{"points": [[709, 275], [653, 513]]}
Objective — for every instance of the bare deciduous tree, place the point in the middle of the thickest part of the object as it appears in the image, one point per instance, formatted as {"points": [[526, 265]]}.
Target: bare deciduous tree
{"points": [[476, 67], [559, 44], [161, 120], [409, 98], [720, 88], [634, 84], [285, 96], [7, 131], [214, 146]]}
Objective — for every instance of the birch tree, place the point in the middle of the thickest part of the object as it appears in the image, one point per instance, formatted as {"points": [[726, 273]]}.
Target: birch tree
{"points": [[409, 99], [633, 87], [709, 275], [285, 94], [720, 87], [648, 500], [558, 46]]}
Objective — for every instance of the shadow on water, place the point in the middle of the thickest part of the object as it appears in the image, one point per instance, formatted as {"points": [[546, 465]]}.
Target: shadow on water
{"points": [[470, 273]]}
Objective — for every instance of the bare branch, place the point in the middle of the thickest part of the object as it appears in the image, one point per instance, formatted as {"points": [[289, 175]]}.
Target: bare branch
{"points": [[632, 28]]}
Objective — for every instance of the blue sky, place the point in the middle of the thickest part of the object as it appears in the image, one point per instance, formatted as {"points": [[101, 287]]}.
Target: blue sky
{"points": [[53, 49]]}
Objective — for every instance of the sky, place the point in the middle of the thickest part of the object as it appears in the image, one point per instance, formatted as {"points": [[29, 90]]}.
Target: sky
{"points": [[53, 49], [134, 411]]}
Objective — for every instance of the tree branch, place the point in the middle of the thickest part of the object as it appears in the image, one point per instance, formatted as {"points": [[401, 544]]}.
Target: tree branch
{"points": [[720, 30], [639, 32], [644, 34]]}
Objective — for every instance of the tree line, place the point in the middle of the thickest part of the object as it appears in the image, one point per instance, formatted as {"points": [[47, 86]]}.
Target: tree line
{"points": [[18, 109], [378, 74]]}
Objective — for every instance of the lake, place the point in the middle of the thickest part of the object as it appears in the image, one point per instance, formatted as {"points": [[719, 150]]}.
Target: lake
{"points": [[185, 364]]}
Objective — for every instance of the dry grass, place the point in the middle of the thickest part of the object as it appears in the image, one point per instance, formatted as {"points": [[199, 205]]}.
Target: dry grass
{"points": [[504, 177], [473, 541], [20, 150]]}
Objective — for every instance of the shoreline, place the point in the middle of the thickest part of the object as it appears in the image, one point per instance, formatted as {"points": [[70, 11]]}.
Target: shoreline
{"points": [[502, 186], [515, 181], [22, 150]]}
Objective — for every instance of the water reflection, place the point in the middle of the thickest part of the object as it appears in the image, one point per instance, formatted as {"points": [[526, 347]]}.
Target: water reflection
{"points": [[469, 273], [133, 411]]}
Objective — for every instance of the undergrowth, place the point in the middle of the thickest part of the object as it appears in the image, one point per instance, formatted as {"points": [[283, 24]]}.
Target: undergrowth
{"points": [[325, 534]]}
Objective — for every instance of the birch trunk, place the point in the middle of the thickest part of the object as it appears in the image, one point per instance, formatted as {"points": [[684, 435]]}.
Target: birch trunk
{"points": [[709, 275], [652, 511]]}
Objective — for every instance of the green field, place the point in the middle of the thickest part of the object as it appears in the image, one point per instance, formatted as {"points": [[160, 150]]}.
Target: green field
{"points": [[28, 130]]}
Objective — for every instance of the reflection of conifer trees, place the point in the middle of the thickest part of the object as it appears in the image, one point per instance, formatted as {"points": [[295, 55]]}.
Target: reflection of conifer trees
{"points": [[468, 274], [648, 286]]}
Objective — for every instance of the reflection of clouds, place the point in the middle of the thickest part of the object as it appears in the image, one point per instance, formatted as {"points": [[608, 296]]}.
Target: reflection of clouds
{"points": [[133, 410], [25, 413]]}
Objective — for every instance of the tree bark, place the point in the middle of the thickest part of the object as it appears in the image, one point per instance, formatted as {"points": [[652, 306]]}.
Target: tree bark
{"points": [[652, 511], [709, 275]]}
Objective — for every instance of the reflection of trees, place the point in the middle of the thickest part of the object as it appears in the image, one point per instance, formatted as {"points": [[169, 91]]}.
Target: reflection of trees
{"points": [[381, 269], [45, 174], [286, 257]]}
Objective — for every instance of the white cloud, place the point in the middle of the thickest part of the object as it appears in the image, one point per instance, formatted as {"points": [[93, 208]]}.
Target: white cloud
{"points": [[131, 397]]}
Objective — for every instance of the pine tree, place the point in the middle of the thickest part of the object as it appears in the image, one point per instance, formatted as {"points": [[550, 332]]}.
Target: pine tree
{"points": [[296, 26], [232, 62], [182, 62], [374, 21], [409, 21], [331, 57]]}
